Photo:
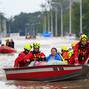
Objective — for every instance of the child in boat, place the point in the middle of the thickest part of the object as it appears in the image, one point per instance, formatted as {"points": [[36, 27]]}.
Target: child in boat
{"points": [[35, 55], [19, 62], [81, 51]]}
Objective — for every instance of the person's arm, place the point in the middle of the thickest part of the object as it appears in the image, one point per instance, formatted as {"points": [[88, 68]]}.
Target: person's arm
{"points": [[58, 57], [87, 58], [48, 58], [18, 60], [76, 53], [16, 63], [27, 58]]}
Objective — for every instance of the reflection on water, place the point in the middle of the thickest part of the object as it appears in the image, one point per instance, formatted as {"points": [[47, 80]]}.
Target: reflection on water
{"points": [[7, 60]]}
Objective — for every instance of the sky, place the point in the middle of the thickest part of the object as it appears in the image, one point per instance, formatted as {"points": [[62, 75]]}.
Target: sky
{"points": [[11, 8]]}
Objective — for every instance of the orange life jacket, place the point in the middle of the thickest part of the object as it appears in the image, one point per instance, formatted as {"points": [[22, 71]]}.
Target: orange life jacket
{"points": [[65, 55]]}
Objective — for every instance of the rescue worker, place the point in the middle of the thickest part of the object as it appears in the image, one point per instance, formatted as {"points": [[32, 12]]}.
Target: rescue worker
{"points": [[19, 62], [35, 55], [81, 51], [71, 50], [54, 55], [65, 53]]}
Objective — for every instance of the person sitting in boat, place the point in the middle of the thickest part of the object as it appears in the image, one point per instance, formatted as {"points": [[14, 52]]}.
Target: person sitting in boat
{"points": [[11, 43], [55, 58], [54, 55], [65, 53], [19, 62], [81, 51], [2, 45], [35, 55], [8, 43]]}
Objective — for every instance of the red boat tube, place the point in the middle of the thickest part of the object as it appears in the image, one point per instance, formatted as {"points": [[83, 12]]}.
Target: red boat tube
{"points": [[6, 49]]}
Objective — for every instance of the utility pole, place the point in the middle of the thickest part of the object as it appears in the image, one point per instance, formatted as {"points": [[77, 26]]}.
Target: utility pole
{"points": [[26, 28], [51, 21], [81, 17], [56, 22], [9, 27], [48, 22], [61, 20], [59, 4], [44, 16], [48, 7], [70, 22]]}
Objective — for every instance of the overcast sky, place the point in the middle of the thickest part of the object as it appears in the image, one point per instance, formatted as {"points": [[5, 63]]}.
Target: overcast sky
{"points": [[14, 7]]}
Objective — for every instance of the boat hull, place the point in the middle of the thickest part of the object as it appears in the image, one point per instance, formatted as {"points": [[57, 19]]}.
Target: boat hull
{"points": [[45, 73]]}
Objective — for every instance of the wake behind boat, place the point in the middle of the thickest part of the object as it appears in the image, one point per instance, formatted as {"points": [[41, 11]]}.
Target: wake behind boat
{"points": [[47, 72]]}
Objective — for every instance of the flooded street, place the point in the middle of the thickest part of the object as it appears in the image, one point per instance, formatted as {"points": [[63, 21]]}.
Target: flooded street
{"points": [[75, 84], [7, 61], [61, 27]]}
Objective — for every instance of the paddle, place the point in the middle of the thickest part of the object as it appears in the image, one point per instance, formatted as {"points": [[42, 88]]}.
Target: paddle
{"points": [[86, 62]]}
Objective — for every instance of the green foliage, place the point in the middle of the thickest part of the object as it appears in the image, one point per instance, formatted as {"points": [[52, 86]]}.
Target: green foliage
{"points": [[76, 18], [25, 22], [36, 20], [85, 17], [66, 23]]}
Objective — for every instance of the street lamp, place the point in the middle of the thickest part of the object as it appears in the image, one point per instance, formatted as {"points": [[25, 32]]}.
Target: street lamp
{"points": [[70, 16], [48, 9], [59, 4], [26, 28], [34, 28], [44, 17], [51, 20], [70, 22], [81, 17], [56, 21]]}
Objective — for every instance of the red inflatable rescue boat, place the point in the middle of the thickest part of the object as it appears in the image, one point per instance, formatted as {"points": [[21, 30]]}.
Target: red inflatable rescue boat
{"points": [[6, 49]]}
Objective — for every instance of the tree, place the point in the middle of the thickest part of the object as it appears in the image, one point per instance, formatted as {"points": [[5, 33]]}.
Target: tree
{"points": [[76, 18], [25, 22], [85, 17]]}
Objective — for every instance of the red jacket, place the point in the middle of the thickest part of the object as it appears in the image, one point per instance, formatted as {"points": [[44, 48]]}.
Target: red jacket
{"points": [[39, 56], [19, 60], [81, 52]]}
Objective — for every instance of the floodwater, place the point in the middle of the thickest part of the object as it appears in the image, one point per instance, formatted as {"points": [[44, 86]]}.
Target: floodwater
{"points": [[7, 60]]}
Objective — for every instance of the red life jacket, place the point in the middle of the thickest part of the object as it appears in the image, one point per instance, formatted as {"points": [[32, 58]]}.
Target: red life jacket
{"points": [[81, 52], [19, 62], [39, 56]]}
